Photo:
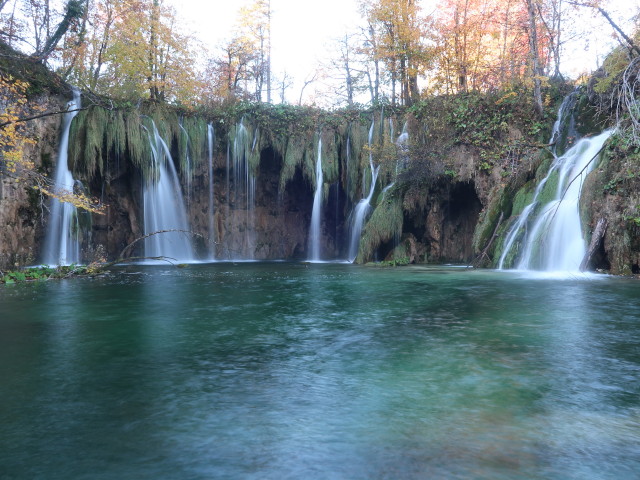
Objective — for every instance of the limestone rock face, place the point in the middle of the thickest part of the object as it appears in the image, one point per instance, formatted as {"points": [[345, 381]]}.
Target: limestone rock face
{"points": [[612, 192], [434, 221], [22, 209]]}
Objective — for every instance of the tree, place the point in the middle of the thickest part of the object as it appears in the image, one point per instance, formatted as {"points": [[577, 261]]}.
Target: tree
{"points": [[285, 83], [12, 27], [597, 5], [15, 112], [254, 26], [536, 66], [371, 52], [134, 49], [38, 12], [227, 73], [401, 44], [31, 28], [13, 136], [483, 44], [74, 11], [85, 56], [348, 68]]}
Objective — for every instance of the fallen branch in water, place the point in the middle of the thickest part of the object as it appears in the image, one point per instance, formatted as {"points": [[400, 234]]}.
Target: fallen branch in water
{"points": [[125, 249]]}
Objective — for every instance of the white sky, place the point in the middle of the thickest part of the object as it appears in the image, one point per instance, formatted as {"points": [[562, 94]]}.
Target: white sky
{"points": [[303, 32]]}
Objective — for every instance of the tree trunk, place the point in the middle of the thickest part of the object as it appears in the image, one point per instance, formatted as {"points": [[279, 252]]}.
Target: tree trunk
{"points": [[74, 10], [536, 70], [596, 242]]}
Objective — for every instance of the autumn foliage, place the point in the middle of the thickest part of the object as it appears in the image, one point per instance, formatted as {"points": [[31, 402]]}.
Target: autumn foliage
{"points": [[13, 135]]}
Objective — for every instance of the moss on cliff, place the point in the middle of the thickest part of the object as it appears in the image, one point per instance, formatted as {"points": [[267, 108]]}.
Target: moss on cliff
{"points": [[384, 226], [611, 191], [41, 80]]}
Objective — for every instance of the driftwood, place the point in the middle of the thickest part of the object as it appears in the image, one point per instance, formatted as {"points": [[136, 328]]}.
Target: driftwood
{"points": [[123, 258], [596, 242]]}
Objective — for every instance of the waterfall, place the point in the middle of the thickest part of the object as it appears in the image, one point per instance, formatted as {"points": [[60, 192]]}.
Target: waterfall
{"points": [[403, 149], [517, 229], [210, 144], [363, 207], [244, 188], [551, 234], [555, 242], [563, 133], [62, 246], [316, 213], [164, 206]]}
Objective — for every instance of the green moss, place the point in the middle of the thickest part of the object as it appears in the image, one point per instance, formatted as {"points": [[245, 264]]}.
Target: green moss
{"points": [[588, 121], [330, 156], [138, 147], [192, 144], [255, 147], [309, 160], [523, 197], [550, 189], [384, 225], [499, 204], [293, 157], [612, 68], [116, 134], [514, 252], [401, 253], [357, 140], [32, 71]]}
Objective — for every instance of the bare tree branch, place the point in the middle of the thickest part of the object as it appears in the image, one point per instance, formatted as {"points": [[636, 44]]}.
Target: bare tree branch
{"points": [[125, 249], [632, 46]]}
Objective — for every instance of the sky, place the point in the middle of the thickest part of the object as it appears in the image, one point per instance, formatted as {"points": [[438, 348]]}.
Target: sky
{"points": [[304, 32]]}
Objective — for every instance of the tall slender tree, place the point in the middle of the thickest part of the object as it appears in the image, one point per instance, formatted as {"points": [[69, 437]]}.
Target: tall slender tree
{"points": [[254, 24], [402, 43]]}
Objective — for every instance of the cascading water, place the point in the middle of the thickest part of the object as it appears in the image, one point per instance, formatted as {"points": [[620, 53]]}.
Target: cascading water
{"points": [[550, 235], [210, 144], [563, 134], [563, 128], [316, 213], [555, 242], [244, 188], [62, 246], [164, 207], [244, 183], [403, 149], [362, 209]]}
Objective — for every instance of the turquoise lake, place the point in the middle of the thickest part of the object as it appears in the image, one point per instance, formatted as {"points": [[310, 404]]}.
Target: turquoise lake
{"points": [[320, 371]]}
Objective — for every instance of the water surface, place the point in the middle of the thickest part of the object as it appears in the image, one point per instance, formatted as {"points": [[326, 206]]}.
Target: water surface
{"points": [[288, 371]]}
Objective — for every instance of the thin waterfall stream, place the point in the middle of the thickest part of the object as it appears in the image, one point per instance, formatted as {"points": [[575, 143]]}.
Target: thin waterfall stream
{"points": [[210, 145], [62, 245], [316, 213], [362, 208], [241, 191]]}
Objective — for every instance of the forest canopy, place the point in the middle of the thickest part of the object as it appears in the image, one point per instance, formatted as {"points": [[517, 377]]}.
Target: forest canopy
{"points": [[403, 51]]}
